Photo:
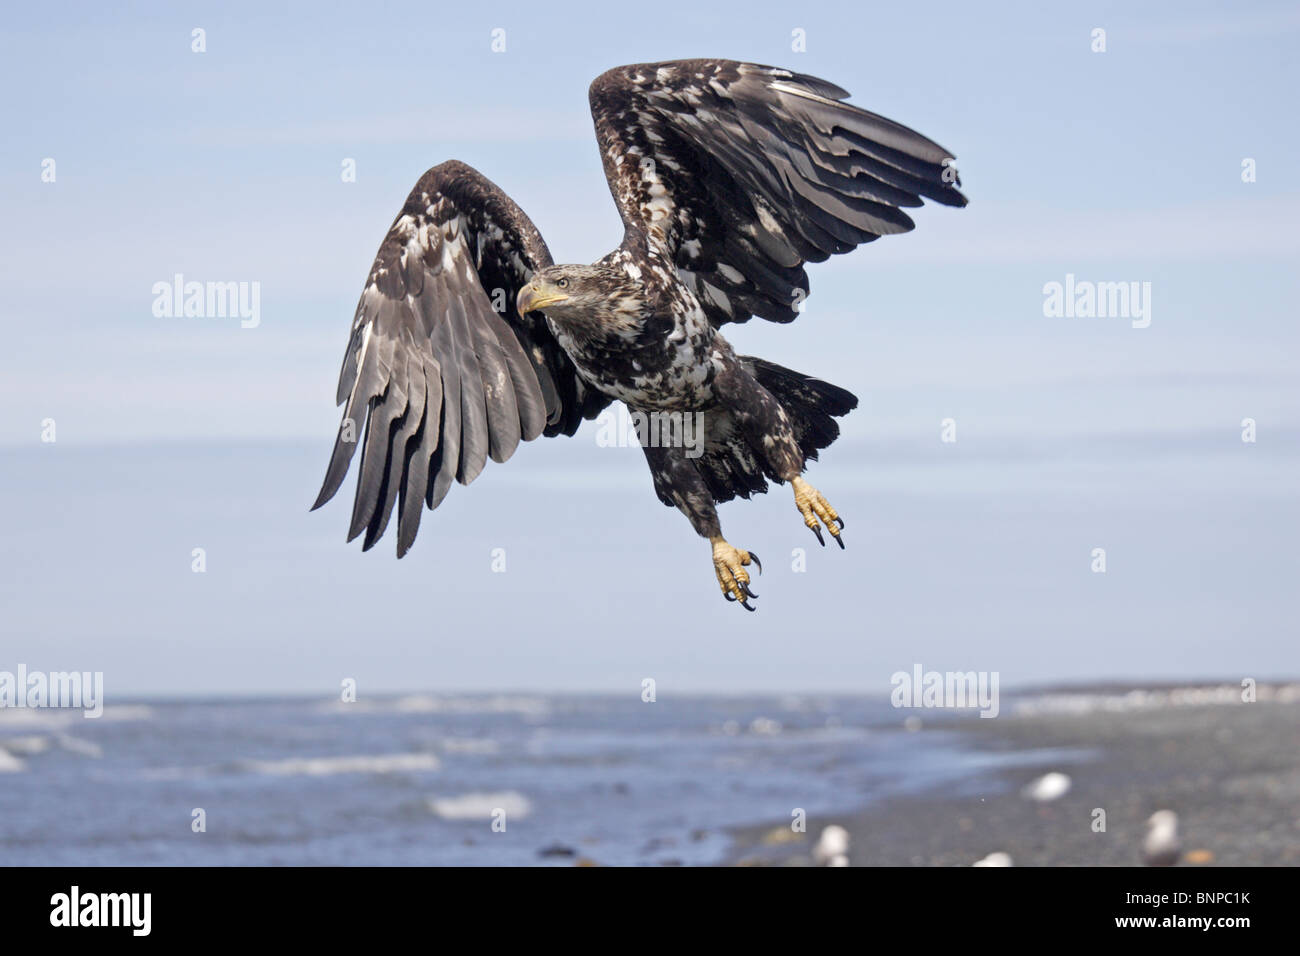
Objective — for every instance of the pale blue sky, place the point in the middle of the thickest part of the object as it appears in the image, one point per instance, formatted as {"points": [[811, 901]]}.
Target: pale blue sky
{"points": [[226, 166]]}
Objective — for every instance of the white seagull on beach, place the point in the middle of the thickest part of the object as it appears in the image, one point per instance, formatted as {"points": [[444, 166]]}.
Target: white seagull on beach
{"points": [[832, 847], [1162, 846], [1049, 787]]}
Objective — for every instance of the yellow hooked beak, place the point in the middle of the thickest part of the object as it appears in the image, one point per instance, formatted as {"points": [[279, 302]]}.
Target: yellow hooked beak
{"points": [[531, 298]]}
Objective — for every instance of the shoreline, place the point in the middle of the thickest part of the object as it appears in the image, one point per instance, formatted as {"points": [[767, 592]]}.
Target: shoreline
{"points": [[1231, 771]]}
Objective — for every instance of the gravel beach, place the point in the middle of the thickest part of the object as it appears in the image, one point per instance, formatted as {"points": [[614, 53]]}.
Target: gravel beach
{"points": [[1229, 770]]}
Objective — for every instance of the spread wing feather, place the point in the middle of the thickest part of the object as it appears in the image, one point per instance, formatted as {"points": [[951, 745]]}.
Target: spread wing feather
{"points": [[740, 174], [435, 380]]}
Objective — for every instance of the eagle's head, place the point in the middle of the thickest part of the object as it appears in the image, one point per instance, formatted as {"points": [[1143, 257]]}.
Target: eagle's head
{"points": [[575, 294]]}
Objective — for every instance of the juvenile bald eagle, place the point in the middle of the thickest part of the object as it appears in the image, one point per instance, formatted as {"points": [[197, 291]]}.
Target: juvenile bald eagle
{"points": [[729, 177]]}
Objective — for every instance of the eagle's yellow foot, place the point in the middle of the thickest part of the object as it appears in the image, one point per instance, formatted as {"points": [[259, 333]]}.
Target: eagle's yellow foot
{"points": [[729, 565], [812, 504]]}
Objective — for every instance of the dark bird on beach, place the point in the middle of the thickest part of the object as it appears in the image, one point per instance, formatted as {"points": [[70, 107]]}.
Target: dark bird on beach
{"points": [[729, 178]]}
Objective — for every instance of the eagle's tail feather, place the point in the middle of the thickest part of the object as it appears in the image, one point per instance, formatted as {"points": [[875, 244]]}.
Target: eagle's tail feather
{"points": [[733, 468], [813, 405]]}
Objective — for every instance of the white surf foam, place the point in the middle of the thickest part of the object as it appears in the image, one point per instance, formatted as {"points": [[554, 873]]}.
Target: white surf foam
{"points": [[469, 745], [76, 745], [25, 746], [53, 717], [9, 763], [481, 806], [528, 706], [329, 766], [1217, 695]]}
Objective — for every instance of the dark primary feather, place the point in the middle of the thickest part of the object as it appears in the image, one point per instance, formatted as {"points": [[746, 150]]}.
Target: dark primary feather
{"points": [[435, 381], [741, 173]]}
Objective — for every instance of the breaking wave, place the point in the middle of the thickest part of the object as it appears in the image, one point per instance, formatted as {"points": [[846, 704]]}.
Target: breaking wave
{"points": [[329, 766], [480, 806], [1120, 701]]}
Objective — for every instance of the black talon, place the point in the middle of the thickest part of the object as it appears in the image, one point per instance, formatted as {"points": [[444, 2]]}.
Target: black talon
{"points": [[748, 592], [820, 539], [745, 605], [841, 521], [731, 598], [839, 539], [753, 557]]}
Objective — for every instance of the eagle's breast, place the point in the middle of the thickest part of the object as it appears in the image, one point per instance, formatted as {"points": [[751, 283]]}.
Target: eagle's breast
{"points": [[654, 349]]}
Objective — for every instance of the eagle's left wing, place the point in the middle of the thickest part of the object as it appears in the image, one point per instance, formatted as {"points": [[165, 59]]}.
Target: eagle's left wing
{"points": [[440, 373], [741, 173]]}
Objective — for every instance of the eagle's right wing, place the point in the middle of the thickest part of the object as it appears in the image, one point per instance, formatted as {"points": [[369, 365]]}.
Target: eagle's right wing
{"points": [[435, 379], [739, 174]]}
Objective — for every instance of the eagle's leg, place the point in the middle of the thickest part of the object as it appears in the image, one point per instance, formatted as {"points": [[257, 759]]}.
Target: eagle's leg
{"points": [[729, 565], [812, 504], [678, 483], [768, 429]]}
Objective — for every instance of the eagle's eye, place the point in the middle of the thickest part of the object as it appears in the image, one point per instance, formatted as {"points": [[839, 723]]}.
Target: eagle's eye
{"points": [[562, 284]]}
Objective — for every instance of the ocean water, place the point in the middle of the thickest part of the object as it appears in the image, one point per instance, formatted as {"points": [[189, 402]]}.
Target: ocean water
{"points": [[414, 780]]}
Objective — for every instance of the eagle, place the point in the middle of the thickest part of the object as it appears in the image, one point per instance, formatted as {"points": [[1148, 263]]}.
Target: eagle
{"points": [[729, 178]]}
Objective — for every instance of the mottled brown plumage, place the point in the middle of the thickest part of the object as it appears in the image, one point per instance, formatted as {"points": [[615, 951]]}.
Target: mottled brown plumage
{"points": [[729, 178]]}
